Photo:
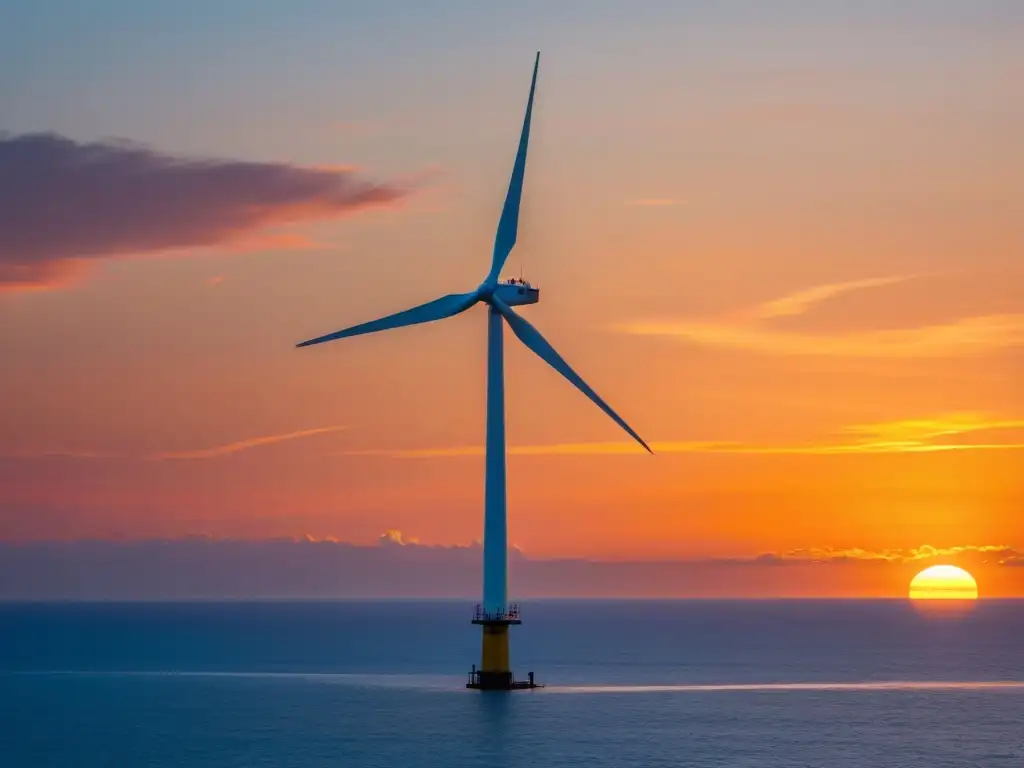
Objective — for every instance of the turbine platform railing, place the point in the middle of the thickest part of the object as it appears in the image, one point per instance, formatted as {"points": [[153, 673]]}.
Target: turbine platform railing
{"points": [[482, 681], [509, 616]]}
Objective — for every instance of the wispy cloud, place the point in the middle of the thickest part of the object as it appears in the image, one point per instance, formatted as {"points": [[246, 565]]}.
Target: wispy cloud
{"points": [[244, 445], [968, 336], [84, 454], [909, 436], [799, 302], [749, 330], [63, 202], [1002, 554], [919, 431], [196, 453], [949, 432]]}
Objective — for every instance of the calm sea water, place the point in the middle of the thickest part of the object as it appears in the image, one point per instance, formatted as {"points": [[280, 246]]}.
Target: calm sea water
{"points": [[352, 684]]}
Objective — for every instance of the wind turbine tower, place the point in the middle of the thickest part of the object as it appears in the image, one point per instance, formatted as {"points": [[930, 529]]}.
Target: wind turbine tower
{"points": [[495, 614]]}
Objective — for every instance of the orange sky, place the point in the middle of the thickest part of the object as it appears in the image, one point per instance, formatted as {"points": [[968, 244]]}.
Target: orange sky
{"points": [[795, 272]]}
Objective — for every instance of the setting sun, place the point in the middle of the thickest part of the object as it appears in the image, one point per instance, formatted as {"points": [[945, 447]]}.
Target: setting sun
{"points": [[943, 582]]}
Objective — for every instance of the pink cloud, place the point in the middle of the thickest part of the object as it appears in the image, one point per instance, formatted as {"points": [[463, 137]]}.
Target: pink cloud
{"points": [[63, 203]]}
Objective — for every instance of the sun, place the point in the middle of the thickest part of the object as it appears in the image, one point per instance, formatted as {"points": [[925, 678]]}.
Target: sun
{"points": [[943, 582]]}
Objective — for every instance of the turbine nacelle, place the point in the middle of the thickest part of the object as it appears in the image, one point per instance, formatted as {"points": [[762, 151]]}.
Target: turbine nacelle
{"points": [[515, 292]]}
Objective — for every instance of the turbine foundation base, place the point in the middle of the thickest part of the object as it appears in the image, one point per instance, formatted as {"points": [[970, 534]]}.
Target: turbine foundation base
{"points": [[499, 681], [494, 673]]}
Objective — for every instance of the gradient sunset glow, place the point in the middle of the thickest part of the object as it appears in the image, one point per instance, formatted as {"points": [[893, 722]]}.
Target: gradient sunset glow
{"points": [[796, 270]]}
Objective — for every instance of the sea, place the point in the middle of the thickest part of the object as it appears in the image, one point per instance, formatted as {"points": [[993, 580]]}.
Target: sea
{"points": [[830, 684]]}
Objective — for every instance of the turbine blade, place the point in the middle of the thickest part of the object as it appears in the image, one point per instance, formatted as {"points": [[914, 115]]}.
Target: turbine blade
{"points": [[438, 309], [531, 337], [508, 224]]}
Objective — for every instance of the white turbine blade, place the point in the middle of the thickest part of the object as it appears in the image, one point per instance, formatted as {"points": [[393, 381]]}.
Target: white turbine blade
{"points": [[531, 337], [438, 309], [508, 224]]}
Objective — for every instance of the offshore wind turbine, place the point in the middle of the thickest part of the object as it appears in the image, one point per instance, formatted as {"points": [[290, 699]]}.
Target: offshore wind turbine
{"points": [[495, 614]]}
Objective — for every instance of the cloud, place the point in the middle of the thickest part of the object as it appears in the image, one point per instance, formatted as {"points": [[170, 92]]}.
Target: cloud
{"points": [[799, 302], [243, 445], [197, 453], [966, 336], [310, 538], [207, 567], [905, 436], [394, 538], [61, 453], [64, 203], [948, 432], [1002, 554], [926, 431]]}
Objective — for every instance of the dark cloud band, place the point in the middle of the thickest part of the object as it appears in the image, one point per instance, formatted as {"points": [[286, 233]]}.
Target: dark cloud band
{"points": [[64, 202]]}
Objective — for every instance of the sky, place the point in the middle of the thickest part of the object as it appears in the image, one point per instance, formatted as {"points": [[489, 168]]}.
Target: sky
{"points": [[784, 242]]}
